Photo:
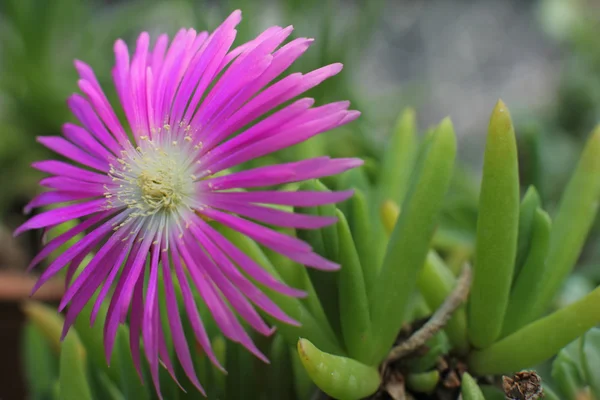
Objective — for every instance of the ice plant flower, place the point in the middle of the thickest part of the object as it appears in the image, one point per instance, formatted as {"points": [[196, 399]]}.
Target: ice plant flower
{"points": [[146, 196]]}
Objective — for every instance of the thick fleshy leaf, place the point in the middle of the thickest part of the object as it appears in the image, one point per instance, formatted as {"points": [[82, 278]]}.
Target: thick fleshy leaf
{"points": [[527, 286], [530, 203], [497, 230], [410, 240], [280, 373], [423, 382], [532, 344], [361, 227], [72, 380], [40, 364], [571, 224], [324, 242], [395, 172], [567, 375], [590, 357], [47, 320], [340, 377], [470, 389], [354, 305]]}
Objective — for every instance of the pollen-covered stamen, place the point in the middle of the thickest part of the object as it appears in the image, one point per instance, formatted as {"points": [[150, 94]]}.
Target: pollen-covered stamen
{"points": [[154, 177], [160, 190]]}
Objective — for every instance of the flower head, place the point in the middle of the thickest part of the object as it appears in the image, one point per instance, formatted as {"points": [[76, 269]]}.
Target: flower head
{"points": [[145, 196]]}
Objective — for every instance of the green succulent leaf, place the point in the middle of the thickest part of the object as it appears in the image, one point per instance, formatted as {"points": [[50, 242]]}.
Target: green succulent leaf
{"points": [[103, 387], [340, 377], [566, 377], [497, 228], [92, 337], [530, 203], [492, 393], [354, 306], [590, 357], [324, 242], [424, 382], [539, 340], [303, 384], [398, 159], [571, 225], [219, 345], [361, 227], [280, 374], [72, 378], [240, 382], [549, 394], [527, 285], [48, 321], [130, 382], [41, 365], [410, 240], [567, 373], [394, 174], [470, 389]]}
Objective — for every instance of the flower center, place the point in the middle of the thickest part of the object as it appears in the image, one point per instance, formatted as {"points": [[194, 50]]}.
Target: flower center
{"points": [[153, 179], [160, 189]]}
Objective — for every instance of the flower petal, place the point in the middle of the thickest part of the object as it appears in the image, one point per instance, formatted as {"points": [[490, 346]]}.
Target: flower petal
{"points": [[62, 214]]}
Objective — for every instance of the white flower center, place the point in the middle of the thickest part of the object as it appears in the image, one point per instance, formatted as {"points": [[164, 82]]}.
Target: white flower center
{"points": [[153, 178]]}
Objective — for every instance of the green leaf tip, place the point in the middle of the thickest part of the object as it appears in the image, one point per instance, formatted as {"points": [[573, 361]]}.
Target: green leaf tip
{"points": [[340, 377], [501, 121]]}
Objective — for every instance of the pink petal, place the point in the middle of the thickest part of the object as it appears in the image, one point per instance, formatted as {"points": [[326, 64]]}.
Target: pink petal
{"points": [[220, 311], [67, 149], [297, 199], [83, 139], [179, 340], [230, 292], [68, 235], [239, 280], [90, 120], [64, 169], [281, 173], [272, 216], [46, 198], [246, 263], [72, 185], [62, 214], [192, 311], [261, 234]]}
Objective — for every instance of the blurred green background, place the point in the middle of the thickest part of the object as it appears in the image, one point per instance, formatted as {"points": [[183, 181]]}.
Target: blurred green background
{"points": [[441, 57]]}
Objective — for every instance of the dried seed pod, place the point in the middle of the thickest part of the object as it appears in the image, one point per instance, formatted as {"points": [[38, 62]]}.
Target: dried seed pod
{"points": [[524, 385]]}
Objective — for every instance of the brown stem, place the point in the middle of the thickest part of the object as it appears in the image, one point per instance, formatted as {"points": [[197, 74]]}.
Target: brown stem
{"points": [[437, 321]]}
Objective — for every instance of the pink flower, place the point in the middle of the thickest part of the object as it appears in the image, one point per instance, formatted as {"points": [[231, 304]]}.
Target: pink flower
{"points": [[144, 199]]}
